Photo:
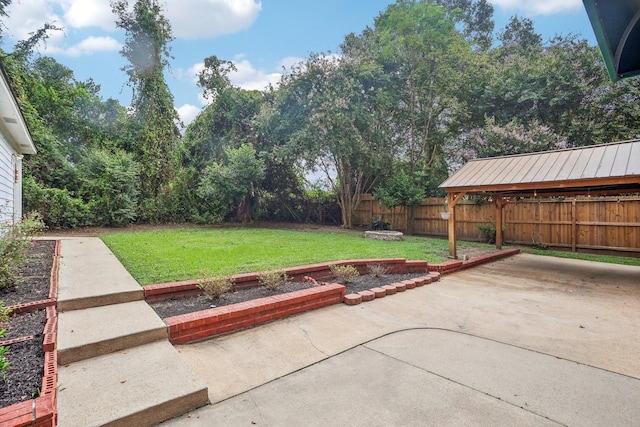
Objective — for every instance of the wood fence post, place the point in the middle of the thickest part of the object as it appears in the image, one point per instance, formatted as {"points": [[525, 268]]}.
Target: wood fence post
{"points": [[574, 226]]}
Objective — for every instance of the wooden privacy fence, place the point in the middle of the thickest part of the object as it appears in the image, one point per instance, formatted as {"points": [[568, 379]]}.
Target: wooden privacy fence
{"points": [[609, 223]]}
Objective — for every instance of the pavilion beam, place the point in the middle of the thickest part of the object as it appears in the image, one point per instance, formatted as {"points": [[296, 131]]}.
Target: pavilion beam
{"points": [[452, 201]]}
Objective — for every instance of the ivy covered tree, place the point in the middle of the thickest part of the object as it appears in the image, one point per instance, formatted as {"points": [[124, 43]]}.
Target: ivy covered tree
{"points": [[231, 184], [154, 134]]}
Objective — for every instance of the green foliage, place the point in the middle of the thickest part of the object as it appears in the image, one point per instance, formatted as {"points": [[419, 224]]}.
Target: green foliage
{"points": [[344, 273], [272, 279], [231, 185], [154, 136], [58, 207], [538, 245], [4, 312], [399, 189], [111, 187], [214, 287], [15, 241], [488, 232], [4, 363]]}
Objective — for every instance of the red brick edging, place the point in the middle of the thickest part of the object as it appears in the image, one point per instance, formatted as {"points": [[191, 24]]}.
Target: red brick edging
{"points": [[393, 288], [456, 264], [41, 411], [159, 292], [207, 323]]}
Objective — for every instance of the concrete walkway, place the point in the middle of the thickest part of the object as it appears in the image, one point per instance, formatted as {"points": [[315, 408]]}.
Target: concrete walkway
{"points": [[525, 341], [115, 364]]}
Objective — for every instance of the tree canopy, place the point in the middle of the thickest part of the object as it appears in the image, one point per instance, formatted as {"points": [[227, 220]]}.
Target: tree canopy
{"points": [[428, 86]]}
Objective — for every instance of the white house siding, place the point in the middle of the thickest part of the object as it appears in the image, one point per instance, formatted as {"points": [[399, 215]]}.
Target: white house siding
{"points": [[8, 157]]}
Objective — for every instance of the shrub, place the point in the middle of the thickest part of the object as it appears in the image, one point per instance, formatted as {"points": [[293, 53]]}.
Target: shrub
{"points": [[4, 363], [272, 279], [110, 187], [488, 232], [58, 207], [15, 241], [214, 287], [344, 273], [377, 270]]}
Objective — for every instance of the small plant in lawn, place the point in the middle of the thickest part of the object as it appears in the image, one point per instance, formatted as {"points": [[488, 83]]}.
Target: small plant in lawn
{"points": [[539, 245], [15, 241], [214, 287], [344, 273], [272, 279], [377, 270]]}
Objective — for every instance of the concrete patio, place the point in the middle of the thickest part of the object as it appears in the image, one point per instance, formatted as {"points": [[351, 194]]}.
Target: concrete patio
{"points": [[526, 341]]}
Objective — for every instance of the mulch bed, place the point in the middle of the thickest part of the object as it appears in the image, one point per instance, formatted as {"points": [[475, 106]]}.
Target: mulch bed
{"points": [[24, 377], [182, 305]]}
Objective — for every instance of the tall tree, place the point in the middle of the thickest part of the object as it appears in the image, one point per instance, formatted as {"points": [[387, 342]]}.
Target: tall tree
{"points": [[426, 58], [154, 118], [328, 113]]}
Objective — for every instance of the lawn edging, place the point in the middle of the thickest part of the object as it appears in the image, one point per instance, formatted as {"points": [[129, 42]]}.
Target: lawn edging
{"points": [[207, 323], [454, 265], [319, 272], [204, 324], [41, 411]]}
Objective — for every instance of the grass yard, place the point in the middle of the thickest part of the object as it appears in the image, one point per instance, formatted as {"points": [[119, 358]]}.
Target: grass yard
{"points": [[587, 257], [182, 254]]}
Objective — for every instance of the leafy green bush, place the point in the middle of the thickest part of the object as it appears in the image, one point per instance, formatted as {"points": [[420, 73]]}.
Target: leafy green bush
{"points": [[111, 187], [4, 363], [344, 273], [214, 287], [272, 279], [15, 241], [58, 208], [487, 232]]}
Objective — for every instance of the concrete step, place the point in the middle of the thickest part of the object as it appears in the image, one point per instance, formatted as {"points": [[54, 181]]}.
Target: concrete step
{"points": [[92, 332], [91, 276], [141, 386]]}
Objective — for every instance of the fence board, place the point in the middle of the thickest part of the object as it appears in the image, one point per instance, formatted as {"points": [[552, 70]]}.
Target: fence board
{"points": [[576, 223]]}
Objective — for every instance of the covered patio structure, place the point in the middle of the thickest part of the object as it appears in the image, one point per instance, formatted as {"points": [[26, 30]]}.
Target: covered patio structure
{"points": [[607, 169]]}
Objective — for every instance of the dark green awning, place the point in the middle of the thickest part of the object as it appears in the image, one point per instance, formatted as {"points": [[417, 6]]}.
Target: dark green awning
{"points": [[617, 28]]}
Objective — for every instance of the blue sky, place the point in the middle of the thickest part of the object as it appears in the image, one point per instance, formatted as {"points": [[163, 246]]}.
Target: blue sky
{"points": [[259, 36]]}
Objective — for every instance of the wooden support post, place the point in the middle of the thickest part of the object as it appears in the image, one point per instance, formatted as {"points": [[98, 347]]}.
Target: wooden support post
{"points": [[452, 201], [498, 222], [452, 232]]}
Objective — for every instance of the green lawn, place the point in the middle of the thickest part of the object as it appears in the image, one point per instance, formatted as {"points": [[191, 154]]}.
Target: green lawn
{"points": [[587, 257], [183, 254]]}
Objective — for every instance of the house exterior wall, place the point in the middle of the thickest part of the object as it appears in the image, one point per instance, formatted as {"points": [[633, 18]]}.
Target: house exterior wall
{"points": [[10, 202]]}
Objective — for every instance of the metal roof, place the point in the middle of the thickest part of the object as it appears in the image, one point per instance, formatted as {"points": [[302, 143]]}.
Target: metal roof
{"points": [[601, 169], [616, 24]]}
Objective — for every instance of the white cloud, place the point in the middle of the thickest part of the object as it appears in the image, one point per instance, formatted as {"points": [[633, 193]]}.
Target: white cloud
{"points": [[290, 61], [209, 18], [249, 78], [88, 13], [538, 7], [188, 113], [91, 45], [26, 16]]}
